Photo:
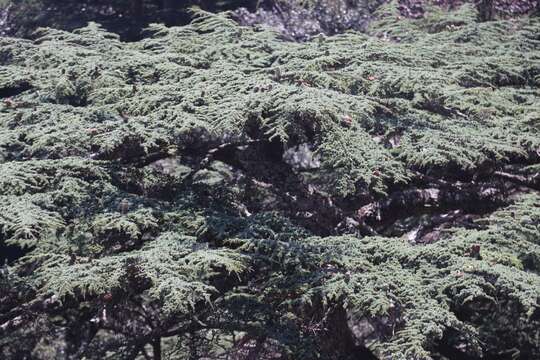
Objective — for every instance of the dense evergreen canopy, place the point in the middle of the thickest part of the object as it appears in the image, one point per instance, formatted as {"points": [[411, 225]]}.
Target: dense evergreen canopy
{"points": [[215, 192]]}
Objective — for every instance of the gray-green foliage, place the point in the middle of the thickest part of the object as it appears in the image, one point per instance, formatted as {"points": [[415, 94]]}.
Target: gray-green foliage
{"points": [[108, 176]]}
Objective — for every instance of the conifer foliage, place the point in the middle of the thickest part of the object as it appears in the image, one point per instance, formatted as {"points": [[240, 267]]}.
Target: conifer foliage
{"points": [[215, 192]]}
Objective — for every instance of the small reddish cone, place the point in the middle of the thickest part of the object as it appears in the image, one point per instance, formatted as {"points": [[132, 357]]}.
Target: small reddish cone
{"points": [[9, 103], [475, 251], [347, 120]]}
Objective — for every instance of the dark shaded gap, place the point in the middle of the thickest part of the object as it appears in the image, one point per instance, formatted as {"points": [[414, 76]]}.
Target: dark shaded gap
{"points": [[10, 253], [15, 89]]}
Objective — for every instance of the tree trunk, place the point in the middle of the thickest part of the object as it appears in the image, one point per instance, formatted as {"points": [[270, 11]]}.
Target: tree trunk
{"points": [[137, 9], [486, 10], [156, 345]]}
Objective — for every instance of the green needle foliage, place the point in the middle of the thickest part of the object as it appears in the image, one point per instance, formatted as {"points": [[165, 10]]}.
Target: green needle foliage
{"points": [[215, 192]]}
